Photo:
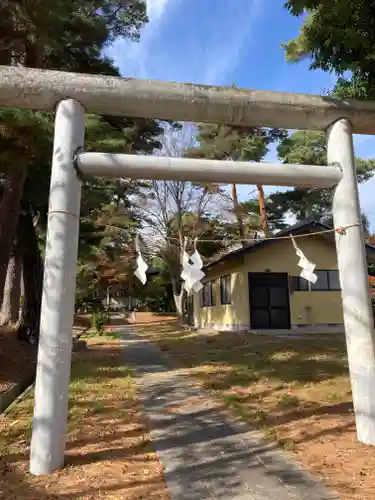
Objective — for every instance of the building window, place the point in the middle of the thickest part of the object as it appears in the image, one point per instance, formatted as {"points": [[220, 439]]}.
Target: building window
{"points": [[208, 294], [328, 280], [213, 293], [225, 290], [322, 282], [299, 284], [334, 280]]}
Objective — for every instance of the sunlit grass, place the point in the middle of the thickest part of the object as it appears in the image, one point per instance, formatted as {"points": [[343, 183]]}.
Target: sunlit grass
{"points": [[91, 391], [106, 335]]}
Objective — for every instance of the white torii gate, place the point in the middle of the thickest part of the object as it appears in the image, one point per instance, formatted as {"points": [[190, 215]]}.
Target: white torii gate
{"points": [[72, 94]]}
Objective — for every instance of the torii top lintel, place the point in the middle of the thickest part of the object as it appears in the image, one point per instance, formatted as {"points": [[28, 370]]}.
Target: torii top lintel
{"points": [[107, 95]]}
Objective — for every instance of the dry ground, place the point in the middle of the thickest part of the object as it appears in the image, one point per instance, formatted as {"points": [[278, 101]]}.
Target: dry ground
{"points": [[297, 392], [146, 318], [109, 451], [17, 360]]}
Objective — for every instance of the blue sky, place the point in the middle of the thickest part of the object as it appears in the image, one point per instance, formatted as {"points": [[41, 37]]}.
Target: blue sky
{"points": [[225, 42]]}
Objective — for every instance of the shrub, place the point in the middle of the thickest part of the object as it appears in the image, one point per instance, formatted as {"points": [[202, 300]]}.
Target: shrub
{"points": [[98, 320]]}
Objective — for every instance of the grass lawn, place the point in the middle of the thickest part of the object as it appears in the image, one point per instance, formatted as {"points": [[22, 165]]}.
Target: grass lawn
{"points": [[109, 453], [296, 391]]}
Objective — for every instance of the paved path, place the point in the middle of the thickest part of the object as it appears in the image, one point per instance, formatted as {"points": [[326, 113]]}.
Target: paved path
{"points": [[204, 454]]}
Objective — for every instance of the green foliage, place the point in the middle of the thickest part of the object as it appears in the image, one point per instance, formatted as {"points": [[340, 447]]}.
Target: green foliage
{"points": [[26, 137], [250, 215], [107, 219], [157, 293], [116, 134], [222, 142], [358, 87], [307, 148], [237, 143], [71, 35], [338, 36], [68, 34], [98, 320]]}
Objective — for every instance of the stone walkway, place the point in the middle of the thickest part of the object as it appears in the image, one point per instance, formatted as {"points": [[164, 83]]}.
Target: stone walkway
{"points": [[204, 454]]}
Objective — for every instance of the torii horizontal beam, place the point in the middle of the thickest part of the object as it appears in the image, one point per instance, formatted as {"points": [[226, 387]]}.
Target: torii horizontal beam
{"points": [[210, 171], [131, 97]]}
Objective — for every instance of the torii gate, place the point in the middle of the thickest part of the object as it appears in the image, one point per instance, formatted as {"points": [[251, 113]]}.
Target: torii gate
{"points": [[72, 94]]}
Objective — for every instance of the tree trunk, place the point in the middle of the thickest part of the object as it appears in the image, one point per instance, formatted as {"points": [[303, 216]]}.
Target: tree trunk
{"points": [[178, 301], [263, 213], [32, 274], [9, 212], [12, 293], [178, 297], [237, 211], [15, 297]]}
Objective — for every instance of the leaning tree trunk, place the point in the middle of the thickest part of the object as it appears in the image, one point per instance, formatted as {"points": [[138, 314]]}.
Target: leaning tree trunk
{"points": [[12, 293], [9, 212], [32, 275]]}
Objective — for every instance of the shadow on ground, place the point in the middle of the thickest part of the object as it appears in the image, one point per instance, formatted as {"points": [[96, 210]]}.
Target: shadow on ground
{"points": [[270, 381], [206, 454], [108, 451]]}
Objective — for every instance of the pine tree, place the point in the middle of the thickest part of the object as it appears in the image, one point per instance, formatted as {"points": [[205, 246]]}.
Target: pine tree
{"points": [[236, 143], [308, 148], [68, 35]]}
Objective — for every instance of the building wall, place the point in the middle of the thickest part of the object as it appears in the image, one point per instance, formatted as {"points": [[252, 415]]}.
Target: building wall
{"points": [[306, 308], [227, 315]]}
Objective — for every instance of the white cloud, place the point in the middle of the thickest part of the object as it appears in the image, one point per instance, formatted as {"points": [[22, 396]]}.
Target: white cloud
{"points": [[226, 42], [132, 57], [156, 8], [209, 43]]}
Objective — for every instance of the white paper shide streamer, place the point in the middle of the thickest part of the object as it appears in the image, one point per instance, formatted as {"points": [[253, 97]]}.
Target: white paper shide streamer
{"points": [[192, 273], [308, 267], [142, 267]]}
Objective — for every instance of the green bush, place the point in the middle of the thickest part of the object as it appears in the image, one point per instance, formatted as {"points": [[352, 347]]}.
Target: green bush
{"points": [[98, 320]]}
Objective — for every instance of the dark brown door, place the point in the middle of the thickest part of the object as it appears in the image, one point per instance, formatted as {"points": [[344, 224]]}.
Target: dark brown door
{"points": [[269, 301]]}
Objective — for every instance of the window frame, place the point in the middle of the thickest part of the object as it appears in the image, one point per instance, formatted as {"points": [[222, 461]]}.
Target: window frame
{"points": [[309, 287], [211, 302], [226, 289], [295, 284], [318, 284], [338, 289]]}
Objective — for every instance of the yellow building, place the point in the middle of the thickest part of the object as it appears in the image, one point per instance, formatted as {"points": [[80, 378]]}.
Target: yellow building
{"points": [[258, 287]]}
